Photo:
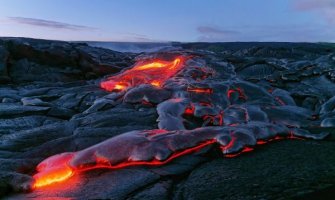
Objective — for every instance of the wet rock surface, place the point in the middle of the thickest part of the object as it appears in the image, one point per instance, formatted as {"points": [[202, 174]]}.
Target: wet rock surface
{"points": [[52, 103]]}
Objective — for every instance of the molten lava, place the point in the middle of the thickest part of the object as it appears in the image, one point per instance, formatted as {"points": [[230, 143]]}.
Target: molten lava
{"points": [[55, 176], [59, 169], [54, 170], [189, 110], [154, 72]]}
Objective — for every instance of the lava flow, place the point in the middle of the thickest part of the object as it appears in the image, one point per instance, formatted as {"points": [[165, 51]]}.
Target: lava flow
{"points": [[145, 148], [55, 170], [61, 167], [234, 128], [154, 72]]}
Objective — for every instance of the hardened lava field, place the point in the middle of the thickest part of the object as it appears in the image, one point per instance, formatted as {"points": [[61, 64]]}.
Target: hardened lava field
{"points": [[166, 124]]}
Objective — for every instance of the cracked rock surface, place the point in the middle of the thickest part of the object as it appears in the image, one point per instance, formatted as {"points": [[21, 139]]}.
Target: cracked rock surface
{"points": [[51, 103]]}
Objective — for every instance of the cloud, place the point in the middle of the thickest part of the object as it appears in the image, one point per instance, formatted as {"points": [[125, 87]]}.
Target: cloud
{"points": [[48, 24], [132, 37], [214, 30], [269, 33], [137, 37], [292, 33], [325, 8], [215, 34]]}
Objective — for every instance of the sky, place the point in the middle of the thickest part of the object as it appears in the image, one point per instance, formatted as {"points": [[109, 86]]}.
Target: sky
{"points": [[170, 20]]}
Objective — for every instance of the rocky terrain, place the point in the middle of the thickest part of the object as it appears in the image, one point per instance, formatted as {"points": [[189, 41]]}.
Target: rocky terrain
{"points": [[281, 94]]}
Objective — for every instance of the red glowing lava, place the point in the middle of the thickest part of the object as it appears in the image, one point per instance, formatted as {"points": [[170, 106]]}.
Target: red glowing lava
{"points": [[189, 110], [200, 90], [240, 92], [54, 170], [154, 72], [215, 119], [153, 162], [58, 168]]}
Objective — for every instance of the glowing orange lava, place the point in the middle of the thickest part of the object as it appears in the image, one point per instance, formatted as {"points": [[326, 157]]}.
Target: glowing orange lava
{"points": [[60, 172], [154, 72], [58, 169], [54, 176], [53, 170]]}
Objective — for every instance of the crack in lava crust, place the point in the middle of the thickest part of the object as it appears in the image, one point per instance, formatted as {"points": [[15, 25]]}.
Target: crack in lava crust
{"points": [[218, 112]]}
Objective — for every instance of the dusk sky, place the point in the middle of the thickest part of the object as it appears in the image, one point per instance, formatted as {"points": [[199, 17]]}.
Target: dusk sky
{"points": [[170, 20]]}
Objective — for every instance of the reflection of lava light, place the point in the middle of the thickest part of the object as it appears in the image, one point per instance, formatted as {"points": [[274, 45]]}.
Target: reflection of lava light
{"points": [[156, 72], [280, 101], [208, 104], [200, 90], [260, 142], [144, 102]]}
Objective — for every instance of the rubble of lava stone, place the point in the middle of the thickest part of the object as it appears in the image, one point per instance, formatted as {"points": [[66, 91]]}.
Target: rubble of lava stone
{"points": [[159, 117]]}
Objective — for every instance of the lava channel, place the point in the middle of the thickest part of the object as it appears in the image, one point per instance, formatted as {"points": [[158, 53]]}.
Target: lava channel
{"points": [[154, 72]]}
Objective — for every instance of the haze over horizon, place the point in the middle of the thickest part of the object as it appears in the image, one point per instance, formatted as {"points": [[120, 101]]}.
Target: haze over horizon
{"points": [[170, 20]]}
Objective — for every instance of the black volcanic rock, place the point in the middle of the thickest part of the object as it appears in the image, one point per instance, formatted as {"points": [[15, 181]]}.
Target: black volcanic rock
{"points": [[261, 178], [3, 65], [27, 60], [51, 103], [8, 110]]}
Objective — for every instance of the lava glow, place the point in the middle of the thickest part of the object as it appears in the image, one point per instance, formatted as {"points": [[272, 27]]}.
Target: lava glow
{"points": [[214, 118], [50, 177], [200, 90], [240, 92], [189, 110], [154, 162], [54, 171], [58, 168], [154, 72], [61, 171]]}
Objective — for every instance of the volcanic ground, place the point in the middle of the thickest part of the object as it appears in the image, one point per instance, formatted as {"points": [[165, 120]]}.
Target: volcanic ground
{"points": [[191, 121]]}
